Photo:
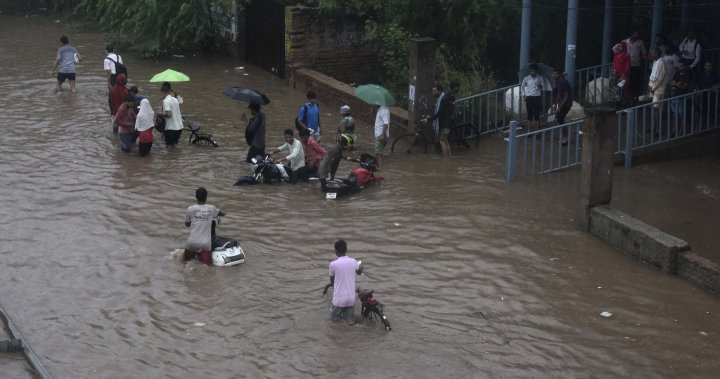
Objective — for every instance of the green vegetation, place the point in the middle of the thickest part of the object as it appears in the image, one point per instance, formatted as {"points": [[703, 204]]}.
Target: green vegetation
{"points": [[152, 26]]}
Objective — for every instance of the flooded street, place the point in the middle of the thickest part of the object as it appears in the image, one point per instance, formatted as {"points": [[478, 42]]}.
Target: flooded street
{"points": [[480, 278]]}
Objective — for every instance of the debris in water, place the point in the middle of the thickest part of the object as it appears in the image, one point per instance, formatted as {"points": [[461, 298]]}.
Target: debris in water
{"points": [[599, 287], [245, 73], [703, 334], [397, 224], [606, 314], [239, 67], [178, 56], [197, 323], [554, 259]]}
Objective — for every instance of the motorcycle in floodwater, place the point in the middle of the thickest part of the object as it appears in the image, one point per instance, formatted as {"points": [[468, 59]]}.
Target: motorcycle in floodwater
{"points": [[265, 170], [359, 178], [226, 251], [371, 308]]}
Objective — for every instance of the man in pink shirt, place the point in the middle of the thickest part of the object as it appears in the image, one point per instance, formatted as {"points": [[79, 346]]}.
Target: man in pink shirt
{"points": [[342, 277]]}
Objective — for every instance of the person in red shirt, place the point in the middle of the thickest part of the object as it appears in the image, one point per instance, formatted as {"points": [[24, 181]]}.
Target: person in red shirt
{"points": [[314, 153], [118, 94], [125, 120]]}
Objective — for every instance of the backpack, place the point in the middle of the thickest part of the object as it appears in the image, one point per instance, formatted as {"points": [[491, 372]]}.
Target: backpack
{"points": [[304, 118], [119, 67]]}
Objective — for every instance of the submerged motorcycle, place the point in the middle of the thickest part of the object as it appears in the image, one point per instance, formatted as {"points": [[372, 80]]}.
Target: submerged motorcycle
{"points": [[359, 178], [225, 251], [265, 170], [371, 308]]}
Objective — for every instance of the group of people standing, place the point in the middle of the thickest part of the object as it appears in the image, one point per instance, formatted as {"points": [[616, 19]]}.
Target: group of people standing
{"points": [[132, 116]]}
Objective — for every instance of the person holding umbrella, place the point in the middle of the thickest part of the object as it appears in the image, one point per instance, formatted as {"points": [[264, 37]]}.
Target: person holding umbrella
{"points": [[172, 115], [255, 132]]}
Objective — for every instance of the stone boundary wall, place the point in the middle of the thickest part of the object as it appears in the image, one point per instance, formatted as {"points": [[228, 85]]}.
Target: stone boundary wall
{"points": [[652, 246], [333, 93]]}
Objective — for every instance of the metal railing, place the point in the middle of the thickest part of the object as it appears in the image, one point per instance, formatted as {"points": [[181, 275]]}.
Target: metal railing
{"points": [[670, 119], [489, 111], [492, 111], [543, 151], [592, 84]]}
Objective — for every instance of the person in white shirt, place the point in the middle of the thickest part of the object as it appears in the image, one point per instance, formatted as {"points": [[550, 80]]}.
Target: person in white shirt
{"points": [[382, 132], [531, 91], [690, 50], [296, 156], [671, 60], [109, 64], [657, 86], [172, 115]]}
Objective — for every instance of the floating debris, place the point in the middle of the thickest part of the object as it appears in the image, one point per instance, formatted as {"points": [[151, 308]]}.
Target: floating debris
{"points": [[703, 334], [197, 323], [606, 314]]}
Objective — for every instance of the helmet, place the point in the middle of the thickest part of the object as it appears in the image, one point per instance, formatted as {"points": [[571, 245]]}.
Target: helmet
{"points": [[344, 140]]}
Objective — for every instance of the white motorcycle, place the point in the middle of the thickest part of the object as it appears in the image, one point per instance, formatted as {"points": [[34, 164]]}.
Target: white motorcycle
{"points": [[225, 251]]}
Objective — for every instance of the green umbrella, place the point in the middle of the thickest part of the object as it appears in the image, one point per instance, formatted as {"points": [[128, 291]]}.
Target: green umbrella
{"points": [[170, 76], [374, 94]]}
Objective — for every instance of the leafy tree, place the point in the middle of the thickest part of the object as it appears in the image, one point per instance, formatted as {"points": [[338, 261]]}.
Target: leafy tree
{"points": [[149, 25]]}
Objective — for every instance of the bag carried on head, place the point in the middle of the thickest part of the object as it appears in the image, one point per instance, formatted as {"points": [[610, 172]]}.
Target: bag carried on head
{"points": [[119, 67]]}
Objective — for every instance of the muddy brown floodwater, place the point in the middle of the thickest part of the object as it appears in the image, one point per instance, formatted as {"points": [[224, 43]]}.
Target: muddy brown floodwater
{"points": [[480, 278]]}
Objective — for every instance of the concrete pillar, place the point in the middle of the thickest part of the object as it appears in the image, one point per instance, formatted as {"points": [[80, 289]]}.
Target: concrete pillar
{"points": [[571, 40], [525, 36], [421, 71], [607, 34], [684, 15], [599, 142], [656, 20]]}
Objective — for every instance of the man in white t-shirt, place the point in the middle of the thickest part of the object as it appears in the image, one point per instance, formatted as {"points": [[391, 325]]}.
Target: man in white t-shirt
{"points": [[295, 157], [382, 132], [199, 218], [342, 278], [172, 115], [109, 64]]}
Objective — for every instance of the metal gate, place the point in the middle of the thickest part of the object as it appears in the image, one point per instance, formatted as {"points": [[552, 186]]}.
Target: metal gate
{"points": [[265, 35]]}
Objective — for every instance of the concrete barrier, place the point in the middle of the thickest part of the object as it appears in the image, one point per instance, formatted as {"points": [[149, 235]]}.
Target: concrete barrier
{"points": [[636, 238]]}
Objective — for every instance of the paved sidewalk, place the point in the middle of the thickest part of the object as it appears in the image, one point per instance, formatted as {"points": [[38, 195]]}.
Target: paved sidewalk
{"points": [[679, 197]]}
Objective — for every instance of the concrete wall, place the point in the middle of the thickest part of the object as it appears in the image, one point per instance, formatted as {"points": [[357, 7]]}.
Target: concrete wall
{"points": [[333, 93], [637, 239], [654, 247], [331, 44]]}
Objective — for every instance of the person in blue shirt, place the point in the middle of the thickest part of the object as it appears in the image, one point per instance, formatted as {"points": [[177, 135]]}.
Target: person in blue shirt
{"points": [[309, 117]]}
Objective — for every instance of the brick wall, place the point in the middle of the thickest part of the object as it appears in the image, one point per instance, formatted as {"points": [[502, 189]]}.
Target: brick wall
{"points": [[700, 271], [331, 44], [334, 93]]}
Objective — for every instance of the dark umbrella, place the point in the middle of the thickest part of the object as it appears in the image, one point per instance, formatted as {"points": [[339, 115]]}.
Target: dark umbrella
{"points": [[246, 94]]}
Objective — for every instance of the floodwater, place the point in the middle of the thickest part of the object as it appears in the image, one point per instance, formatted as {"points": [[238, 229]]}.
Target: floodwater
{"points": [[480, 278]]}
